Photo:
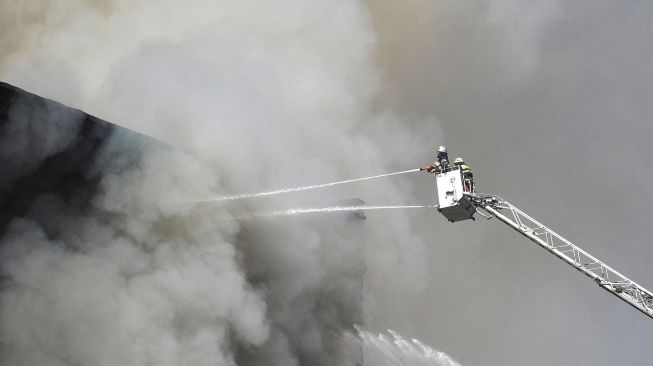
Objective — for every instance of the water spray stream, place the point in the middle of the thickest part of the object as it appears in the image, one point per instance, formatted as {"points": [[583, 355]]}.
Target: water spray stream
{"points": [[298, 189], [396, 350], [301, 211], [393, 349]]}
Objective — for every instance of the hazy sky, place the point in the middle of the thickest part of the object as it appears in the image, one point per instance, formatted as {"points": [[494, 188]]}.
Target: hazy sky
{"points": [[551, 106], [549, 102]]}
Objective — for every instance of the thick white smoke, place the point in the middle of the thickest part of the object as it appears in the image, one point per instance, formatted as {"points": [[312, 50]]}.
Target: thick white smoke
{"points": [[261, 95]]}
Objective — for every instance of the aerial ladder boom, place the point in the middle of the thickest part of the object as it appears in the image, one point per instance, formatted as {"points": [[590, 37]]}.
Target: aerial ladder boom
{"points": [[457, 204], [606, 277]]}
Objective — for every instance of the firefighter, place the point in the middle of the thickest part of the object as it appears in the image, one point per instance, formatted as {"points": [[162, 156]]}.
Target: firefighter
{"points": [[443, 158], [441, 164], [466, 173]]}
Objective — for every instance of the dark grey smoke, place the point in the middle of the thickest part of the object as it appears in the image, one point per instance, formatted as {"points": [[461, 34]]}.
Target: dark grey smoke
{"points": [[41, 150]]}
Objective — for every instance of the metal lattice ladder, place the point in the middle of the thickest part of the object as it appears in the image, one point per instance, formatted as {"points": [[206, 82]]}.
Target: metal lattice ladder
{"points": [[606, 277]]}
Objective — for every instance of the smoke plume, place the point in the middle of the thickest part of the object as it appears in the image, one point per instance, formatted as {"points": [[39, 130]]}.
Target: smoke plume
{"points": [[251, 96], [549, 101]]}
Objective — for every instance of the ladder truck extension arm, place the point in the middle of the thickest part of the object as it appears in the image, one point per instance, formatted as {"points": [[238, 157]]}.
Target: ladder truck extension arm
{"points": [[457, 203], [606, 277]]}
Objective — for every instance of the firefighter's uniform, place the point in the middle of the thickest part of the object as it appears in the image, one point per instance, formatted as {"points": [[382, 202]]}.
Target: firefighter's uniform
{"points": [[467, 175]]}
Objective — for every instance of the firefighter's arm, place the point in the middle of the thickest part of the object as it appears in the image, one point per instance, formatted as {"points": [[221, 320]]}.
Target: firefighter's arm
{"points": [[430, 168]]}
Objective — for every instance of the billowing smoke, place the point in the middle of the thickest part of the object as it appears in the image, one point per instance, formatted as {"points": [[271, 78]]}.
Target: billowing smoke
{"points": [[114, 276], [251, 96], [543, 98]]}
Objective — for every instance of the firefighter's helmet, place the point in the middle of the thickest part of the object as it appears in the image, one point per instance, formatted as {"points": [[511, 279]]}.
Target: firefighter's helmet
{"points": [[442, 149], [458, 160]]}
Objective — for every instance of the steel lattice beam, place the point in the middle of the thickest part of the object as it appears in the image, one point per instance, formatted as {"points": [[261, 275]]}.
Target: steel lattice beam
{"points": [[606, 277]]}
